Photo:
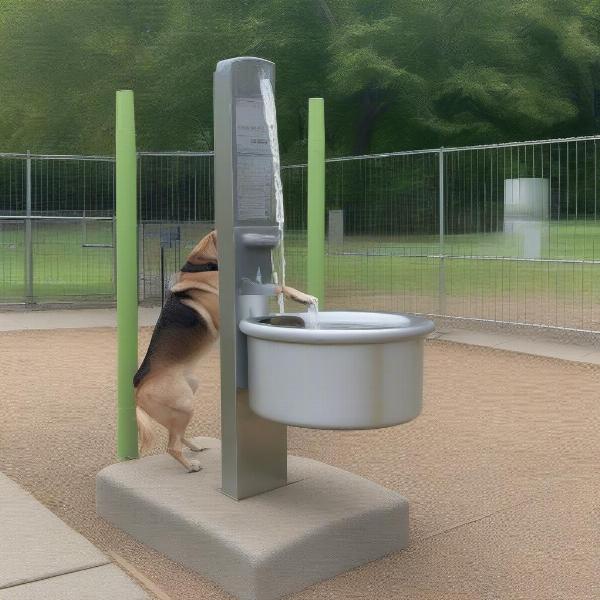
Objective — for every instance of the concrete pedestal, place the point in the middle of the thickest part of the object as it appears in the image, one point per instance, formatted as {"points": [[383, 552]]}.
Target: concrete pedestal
{"points": [[324, 522]]}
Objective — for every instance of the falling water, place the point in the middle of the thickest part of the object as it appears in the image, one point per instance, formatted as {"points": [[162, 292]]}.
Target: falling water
{"points": [[312, 315], [271, 119]]}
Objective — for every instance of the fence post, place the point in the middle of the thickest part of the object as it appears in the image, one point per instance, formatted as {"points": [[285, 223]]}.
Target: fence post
{"points": [[28, 271], [316, 199], [442, 217], [127, 274], [114, 249], [141, 268]]}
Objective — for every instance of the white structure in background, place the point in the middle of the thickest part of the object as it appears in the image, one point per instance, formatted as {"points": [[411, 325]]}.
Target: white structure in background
{"points": [[527, 213]]}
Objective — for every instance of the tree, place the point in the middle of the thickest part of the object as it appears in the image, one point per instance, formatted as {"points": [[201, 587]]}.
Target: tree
{"points": [[396, 74], [448, 72]]}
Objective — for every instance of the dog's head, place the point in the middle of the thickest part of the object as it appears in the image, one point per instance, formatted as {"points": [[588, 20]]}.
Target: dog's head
{"points": [[205, 250]]}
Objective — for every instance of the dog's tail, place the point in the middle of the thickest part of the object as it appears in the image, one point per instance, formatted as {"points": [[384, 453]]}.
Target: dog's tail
{"points": [[145, 431]]}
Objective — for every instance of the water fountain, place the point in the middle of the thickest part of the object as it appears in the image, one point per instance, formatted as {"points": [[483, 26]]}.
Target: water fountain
{"points": [[261, 523], [355, 370]]}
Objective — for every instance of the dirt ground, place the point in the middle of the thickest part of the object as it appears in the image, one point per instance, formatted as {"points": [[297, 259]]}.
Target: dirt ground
{"points": [[502, 470]]}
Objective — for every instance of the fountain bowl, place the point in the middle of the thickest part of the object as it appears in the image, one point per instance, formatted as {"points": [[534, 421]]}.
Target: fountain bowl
{"points": [[358, 370]]}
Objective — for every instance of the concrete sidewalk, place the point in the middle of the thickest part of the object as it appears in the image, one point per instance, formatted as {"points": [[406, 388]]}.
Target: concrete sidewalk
{"points": [[584, 353], [44, 559], [107, 317]]}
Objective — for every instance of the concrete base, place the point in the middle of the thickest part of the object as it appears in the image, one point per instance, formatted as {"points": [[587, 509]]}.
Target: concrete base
{"points": [[327, 521]]}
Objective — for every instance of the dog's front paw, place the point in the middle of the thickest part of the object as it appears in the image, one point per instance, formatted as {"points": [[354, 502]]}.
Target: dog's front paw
{"points": [[304, 298], [194, 467], [307, 299]]}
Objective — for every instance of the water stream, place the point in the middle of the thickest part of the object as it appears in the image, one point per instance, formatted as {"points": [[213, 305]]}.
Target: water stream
{"points": [[278, 262], [312, 316], [271, 119]]}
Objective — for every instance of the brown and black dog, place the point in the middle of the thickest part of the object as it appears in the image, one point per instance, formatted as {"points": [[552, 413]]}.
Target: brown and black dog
{"points": [[187, 327]]}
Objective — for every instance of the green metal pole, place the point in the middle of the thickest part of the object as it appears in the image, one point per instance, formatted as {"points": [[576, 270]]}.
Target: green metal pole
{"points": [[127, 275], [316, 199]]}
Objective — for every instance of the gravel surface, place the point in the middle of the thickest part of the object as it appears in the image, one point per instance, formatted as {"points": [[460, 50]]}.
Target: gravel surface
{"points": [[501, 470]]}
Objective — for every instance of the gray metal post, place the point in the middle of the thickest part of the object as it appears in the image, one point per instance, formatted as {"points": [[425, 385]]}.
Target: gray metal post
{"points": [[254, 450], [442, 269], [28, 271]]}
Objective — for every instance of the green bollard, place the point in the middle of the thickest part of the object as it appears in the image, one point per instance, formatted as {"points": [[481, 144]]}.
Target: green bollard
{"points": [[316, 199], [127, 275]]}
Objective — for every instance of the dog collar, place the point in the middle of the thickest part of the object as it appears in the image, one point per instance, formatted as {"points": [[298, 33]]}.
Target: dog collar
{"points": [[192, 268]]}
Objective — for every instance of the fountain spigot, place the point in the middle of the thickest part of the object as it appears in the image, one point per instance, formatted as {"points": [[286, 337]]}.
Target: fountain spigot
{"points": [[256, 288]]}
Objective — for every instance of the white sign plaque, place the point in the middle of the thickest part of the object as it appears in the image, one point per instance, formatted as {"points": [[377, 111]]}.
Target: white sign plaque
{"points": [[251, 134], [254, 186], [254, 161]]}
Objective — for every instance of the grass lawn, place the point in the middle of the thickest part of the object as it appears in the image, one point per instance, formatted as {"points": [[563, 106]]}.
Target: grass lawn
{"points": [[68, 264]]}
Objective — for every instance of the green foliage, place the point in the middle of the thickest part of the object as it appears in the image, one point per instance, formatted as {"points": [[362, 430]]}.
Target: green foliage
{"points": [[395, 74]]}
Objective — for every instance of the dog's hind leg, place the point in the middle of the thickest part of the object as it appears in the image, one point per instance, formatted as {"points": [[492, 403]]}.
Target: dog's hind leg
{"points": [[175, 450], [169, 401], [193, 383], [176, 427], [192, 446]]}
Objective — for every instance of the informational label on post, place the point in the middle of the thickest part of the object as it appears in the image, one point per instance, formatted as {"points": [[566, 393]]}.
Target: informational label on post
{"points": [[254, 161], [251, 133], [254, 186]]}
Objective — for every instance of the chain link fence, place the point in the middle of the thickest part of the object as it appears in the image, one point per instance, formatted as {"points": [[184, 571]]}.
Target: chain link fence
{"points": [[505, 233], [176, 209], [57, 217]]}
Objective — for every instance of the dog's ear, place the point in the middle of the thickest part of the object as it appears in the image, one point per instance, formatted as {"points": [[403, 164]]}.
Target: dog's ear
{"points": [[205, 250], [211, 244]]}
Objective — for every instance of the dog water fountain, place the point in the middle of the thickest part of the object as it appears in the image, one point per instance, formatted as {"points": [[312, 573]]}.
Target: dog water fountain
{"points": [[356, 370], [256, 520]]}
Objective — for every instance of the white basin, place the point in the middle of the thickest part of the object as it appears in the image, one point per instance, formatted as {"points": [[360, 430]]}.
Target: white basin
{"points": [[359, 370]]}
